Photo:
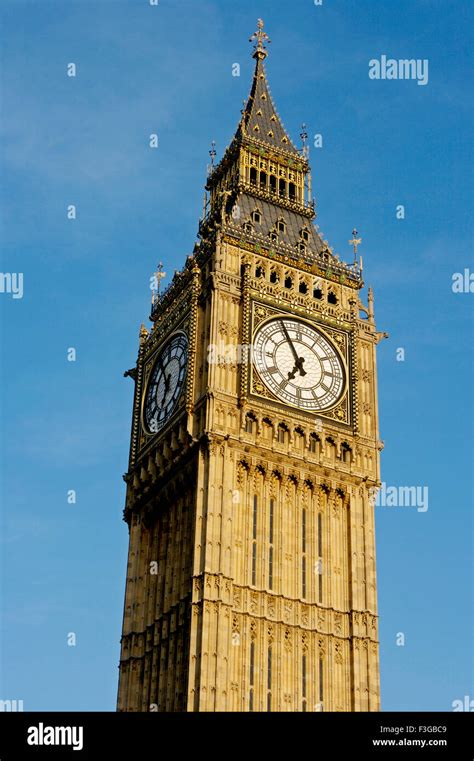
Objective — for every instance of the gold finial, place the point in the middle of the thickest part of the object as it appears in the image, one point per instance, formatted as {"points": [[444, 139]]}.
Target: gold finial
{"points": [[355, 242], [156, 282], [261, 37]]}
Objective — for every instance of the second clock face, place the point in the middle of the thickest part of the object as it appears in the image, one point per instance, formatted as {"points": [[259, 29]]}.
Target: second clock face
{"points": [[166, 382], [298, 364]]}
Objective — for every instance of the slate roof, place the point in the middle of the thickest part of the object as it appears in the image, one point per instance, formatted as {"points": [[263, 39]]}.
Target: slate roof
{"points": [[260, 112], [270, 214]]}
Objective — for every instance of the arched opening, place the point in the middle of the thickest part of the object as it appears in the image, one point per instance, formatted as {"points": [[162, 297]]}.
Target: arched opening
{"points": [[253, 176], [267, 429], [263, 180], [330, 448], [346, 454], [299, 439], [250, 423], [282, 188], [292, 191], [273, 183]]}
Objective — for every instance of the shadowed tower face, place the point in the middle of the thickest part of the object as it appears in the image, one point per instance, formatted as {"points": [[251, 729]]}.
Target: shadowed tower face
{"points": [[251, 582]]}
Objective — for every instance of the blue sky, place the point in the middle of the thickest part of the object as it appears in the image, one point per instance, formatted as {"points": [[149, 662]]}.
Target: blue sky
{"points": [[65, 425]]}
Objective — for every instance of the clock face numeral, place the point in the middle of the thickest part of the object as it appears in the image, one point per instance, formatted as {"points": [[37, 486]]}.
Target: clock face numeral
{"points": [[299, 364], [166, 383]]}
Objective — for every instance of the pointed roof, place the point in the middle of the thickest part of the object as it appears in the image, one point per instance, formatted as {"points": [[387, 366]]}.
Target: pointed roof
{"points": [[260, 119]]}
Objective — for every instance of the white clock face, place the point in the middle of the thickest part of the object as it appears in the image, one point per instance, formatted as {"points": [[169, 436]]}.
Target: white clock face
{"points": [[298, 364], [166, 383]]}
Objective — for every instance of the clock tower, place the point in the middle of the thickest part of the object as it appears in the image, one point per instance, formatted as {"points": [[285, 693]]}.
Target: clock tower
{"points": [[251, 580]]}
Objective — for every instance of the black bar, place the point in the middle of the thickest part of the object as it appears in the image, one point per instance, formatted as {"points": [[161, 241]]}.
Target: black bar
{"points": [[217, 735]]}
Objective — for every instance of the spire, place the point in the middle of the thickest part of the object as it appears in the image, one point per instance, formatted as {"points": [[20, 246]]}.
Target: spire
{"points": [[260, 119], [260, 191]]}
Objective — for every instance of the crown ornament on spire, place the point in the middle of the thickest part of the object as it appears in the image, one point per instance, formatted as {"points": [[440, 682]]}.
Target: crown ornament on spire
{"points": [[259, 49]]}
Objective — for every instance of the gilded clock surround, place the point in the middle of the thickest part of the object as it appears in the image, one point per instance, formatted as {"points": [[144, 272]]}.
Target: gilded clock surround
{"points": [[251, 579], [148, 373], [339, 339]]}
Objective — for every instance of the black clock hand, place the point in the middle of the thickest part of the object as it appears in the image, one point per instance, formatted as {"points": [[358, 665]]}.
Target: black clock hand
{"points": [[289, 340], [298, 366], [298, 360], [167, 387]]}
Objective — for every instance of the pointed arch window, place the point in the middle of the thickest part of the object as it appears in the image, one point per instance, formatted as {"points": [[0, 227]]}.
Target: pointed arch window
{"points": [[303, 681], [270, 543], [269, 679], [250, 423], [303, 551], [251, 674], [274, 274], [346, 453], [254, 540], [319, 567], [317, 293], [321, 684]]}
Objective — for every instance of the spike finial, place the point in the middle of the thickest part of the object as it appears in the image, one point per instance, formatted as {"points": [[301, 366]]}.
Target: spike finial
{"points": [[304, 137], [156, 283], [261, 37], [355, 242], [212, 152]]}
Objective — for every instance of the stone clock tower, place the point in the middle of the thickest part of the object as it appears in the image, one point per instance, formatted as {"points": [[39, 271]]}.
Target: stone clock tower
{"points": [[251, 582]]}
